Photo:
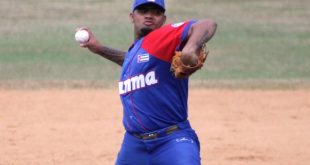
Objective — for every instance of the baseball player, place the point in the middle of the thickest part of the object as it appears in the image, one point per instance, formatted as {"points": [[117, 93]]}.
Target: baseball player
{"points": [[153, 85]]}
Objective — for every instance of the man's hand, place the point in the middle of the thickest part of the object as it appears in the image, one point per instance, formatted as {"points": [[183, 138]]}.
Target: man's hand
{"points": [[96, 47], [183, 69], [92, 44], [195, 51]]}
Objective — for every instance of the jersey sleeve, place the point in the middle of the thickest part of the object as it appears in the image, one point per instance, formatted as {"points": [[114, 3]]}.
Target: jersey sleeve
{"points": [[163, 42]]}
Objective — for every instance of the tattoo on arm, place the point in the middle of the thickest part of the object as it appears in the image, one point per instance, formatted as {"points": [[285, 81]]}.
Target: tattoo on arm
{"points": [[204, 39], [111, 54]]}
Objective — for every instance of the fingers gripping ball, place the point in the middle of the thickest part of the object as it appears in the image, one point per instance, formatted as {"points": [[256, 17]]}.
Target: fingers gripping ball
{"points": [[82, 36], [180, 70]]}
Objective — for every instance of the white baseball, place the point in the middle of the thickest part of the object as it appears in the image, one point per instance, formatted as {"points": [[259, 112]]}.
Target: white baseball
{"points": [[82, 36]]}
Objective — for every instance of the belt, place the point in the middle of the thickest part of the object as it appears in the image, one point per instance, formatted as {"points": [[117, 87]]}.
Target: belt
{"points": [[157, 134]]}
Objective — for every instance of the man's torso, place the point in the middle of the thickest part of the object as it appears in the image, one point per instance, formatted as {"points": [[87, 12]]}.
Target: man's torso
{"points": [[152, 97]]}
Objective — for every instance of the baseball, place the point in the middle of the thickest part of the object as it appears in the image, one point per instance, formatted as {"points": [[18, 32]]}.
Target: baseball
{"points": [[82, 36]]}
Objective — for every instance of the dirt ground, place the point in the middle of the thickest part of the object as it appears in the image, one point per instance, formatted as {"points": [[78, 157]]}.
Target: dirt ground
{"points": [[83, 126]]}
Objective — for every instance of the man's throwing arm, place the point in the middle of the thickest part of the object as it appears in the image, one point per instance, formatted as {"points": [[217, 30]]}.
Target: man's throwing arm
{"points": [[96, 47]]}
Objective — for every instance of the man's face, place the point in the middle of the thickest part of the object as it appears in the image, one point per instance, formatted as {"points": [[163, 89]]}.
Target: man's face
{"points": [[147, 18]]}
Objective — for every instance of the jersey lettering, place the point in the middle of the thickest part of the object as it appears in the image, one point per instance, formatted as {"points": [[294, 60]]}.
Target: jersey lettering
{"points": [[137, 82]]}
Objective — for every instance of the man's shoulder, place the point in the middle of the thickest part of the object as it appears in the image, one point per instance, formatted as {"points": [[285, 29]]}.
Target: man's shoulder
{"points": [[163, 42], [172, 26], [171, 29]]}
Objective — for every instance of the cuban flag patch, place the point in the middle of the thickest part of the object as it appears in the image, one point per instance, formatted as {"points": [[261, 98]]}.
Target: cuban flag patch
{"points": [[143, 58]]}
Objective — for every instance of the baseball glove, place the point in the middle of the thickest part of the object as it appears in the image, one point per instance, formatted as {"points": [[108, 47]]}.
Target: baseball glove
{"points": [[180, 70]]}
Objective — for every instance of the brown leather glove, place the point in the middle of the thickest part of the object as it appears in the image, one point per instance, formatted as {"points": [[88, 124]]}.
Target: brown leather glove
{"points": [[182, 71]]}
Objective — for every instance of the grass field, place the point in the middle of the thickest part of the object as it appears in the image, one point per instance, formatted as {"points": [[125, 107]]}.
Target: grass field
{"points": [[261, 43]]}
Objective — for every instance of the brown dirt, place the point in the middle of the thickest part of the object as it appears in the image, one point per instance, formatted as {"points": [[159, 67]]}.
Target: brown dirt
{"points": [[83, 126]]}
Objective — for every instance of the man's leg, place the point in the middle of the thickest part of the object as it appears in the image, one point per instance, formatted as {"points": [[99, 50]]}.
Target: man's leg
{"points": [[182, 148], [132, 152]]}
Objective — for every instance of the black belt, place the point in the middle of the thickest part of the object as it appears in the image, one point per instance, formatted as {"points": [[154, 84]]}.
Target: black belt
{"points": [[154, 135]]}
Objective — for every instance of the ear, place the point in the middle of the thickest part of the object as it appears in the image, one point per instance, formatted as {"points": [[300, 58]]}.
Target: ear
{"points": [[131, 17], [164, 19]]}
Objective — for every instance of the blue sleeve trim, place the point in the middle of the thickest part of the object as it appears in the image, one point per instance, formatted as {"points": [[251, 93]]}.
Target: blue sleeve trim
{"points": [[185, 32]]}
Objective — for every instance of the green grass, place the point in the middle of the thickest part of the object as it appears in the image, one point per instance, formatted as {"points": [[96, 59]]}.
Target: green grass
{"points": [[256, 42]]}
